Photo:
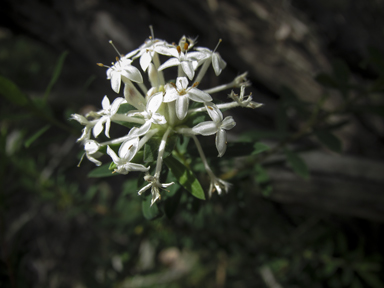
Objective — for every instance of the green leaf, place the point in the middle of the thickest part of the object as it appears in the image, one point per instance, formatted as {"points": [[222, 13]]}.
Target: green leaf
{"points": [[185, 177], [297, 163], [56, 74], [150, 212], [152, 146], [31, 139], [259, 147], [102, 171], [329, 140], [12, 93]]}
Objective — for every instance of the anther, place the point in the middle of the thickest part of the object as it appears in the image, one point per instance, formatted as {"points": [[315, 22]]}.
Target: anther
{"points": [[186, 46], [218, 43], [210, 108], [178, 49], [195, 84]]}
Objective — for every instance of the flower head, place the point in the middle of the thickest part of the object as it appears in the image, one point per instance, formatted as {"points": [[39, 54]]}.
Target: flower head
{"points": [[122, 70]]}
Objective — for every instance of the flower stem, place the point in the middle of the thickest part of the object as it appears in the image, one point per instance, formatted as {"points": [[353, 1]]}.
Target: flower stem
{"points": [[160, 155]]}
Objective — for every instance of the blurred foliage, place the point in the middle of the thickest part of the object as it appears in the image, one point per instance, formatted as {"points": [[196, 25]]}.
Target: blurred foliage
{"points": [[63, 226]]}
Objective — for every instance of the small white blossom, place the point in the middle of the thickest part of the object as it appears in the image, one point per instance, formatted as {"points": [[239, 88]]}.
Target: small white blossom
{"points": [[155, 186], [149, 114], [218, 185], [217, 126], [91, 148], [244, 101], [106, 114], [182, 94], [88, 126], [120, 70], [218, 63], [126, 152]]}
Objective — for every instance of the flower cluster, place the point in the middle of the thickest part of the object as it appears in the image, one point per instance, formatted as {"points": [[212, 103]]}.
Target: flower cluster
{"points": [[163, 110]]}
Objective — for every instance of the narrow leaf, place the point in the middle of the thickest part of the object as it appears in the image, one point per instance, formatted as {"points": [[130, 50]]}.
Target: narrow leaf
{"points": [[12, 93], [297, 163], [185, 177], [56, 74], [329, 140], [102, 171], [150, 212], [36, 136]]}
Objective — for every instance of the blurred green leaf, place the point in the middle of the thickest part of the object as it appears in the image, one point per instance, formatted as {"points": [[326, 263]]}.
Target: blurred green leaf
{"points": [[11, 92], [329, 140], [185, 177], [150, 212], [259, 148], [102, 171], [56, 73], [35, 136], [297, 163]]}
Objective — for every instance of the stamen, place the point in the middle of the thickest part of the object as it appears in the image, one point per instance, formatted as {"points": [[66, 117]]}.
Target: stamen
{"points": [[210, 108], [114, 47], [130, 147], [178, 49], [186, 46], [152, 34], [218, 43], [195, 84]]}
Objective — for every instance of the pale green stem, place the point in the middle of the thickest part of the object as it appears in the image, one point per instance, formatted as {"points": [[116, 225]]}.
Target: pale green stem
{"points": [[185, 131], [171, 113], [125, 118], [202, 71], [203, 158], [157, 63], [160, 155], [220, 106], [143, 88], [180, 71], [145, 139]]}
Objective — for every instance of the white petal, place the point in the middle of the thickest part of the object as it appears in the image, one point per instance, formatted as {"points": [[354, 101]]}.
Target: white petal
{"points": [[205, 128], [105, 103], [188, 69], [154, 102], [136, 100], [80, 118], [182, 107], [214, 112], [116, 105], [218, 63], [136, 167], [115, 81], [142, 130], [181, 83], [221, 142], [107, 127], [164, 50], [91, 146], [145, 188], [199, 96], [113, 155], [145, 60], [169, 63], [228, 123], [158, 119], [128, 149], [132, 73], [98, 127], [171, 95]]}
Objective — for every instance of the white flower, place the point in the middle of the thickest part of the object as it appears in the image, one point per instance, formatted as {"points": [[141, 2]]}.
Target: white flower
{"points": [[217, 126], [182, 95], [123, 69], [218, 63], [126, 152], [187, 63], [91, 148], [106, 114], [149, 114], [88, 126], [244, 101], [218, 185], [148, 50], [155, 185]]}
